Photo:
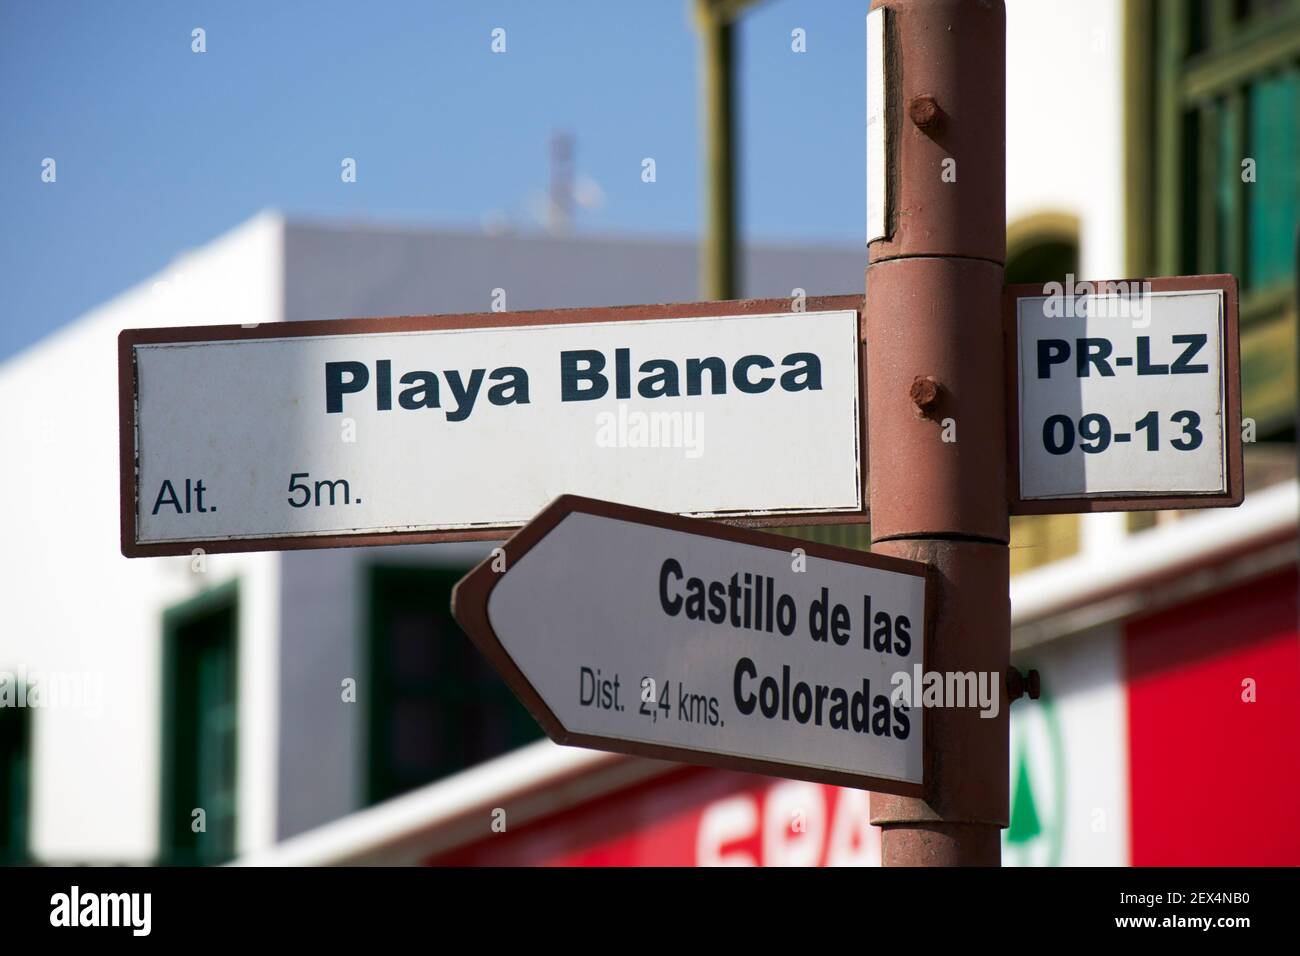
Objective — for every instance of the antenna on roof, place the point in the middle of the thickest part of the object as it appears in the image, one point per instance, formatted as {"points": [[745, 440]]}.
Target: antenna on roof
{"points": [[561, 205]]}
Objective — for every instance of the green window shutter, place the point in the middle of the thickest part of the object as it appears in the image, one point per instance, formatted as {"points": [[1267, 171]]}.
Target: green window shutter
{"points": [[200, 728], [1273, 200], [1214, 91], [1228, 201], [15, 783], [434, 704]]}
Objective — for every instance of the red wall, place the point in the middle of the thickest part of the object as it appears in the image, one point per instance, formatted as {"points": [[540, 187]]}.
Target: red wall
{"points": [[1216, 780]]}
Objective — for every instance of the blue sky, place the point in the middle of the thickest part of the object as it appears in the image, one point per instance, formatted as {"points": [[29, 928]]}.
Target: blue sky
{"points": [[160, 149]]}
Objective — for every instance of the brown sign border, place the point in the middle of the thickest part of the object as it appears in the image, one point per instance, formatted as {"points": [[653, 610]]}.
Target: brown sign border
{"points": [[1226, 284], [469, 603], [127, 385]]}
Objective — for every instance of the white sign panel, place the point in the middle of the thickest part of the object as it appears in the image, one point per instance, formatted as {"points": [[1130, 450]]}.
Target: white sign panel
{"points": [[877, 157], [376, 430], [633, 628], [1123, 394]]}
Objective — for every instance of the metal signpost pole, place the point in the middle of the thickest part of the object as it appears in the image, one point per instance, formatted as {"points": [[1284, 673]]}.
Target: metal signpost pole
{"points": [[936, 429]]}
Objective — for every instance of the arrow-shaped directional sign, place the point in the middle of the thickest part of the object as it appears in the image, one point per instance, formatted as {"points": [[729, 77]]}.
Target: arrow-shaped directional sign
{"points": [[645, 633]]}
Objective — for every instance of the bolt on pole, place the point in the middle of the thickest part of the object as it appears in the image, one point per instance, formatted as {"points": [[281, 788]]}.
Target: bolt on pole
{"points": [[937, 431]]}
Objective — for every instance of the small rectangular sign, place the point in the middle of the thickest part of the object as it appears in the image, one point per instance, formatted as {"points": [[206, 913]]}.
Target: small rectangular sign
{"points": [[441, 428], [651, 634], [1124, 395]]}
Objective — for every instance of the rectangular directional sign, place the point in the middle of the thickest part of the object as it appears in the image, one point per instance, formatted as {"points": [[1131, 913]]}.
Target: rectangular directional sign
{"points": [[651, 634], [437, 428], [1124, 395]]}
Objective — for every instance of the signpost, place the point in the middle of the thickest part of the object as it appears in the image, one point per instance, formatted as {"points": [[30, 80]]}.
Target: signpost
{"points": [[644, 633], [665, 636], [444, 428], [1124, 395]]}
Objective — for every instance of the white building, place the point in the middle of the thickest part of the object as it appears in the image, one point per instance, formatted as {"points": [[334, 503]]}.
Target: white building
{"points": [[254, 648]]}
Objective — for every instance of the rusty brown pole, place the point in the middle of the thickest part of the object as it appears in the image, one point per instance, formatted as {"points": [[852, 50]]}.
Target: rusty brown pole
{"points": [[937, 430]]}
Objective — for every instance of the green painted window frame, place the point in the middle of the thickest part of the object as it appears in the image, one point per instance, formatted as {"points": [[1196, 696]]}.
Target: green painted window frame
{"points": [[1173, 89], [1188, 65], [469, 681], [182, 782], [15, 784]]}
